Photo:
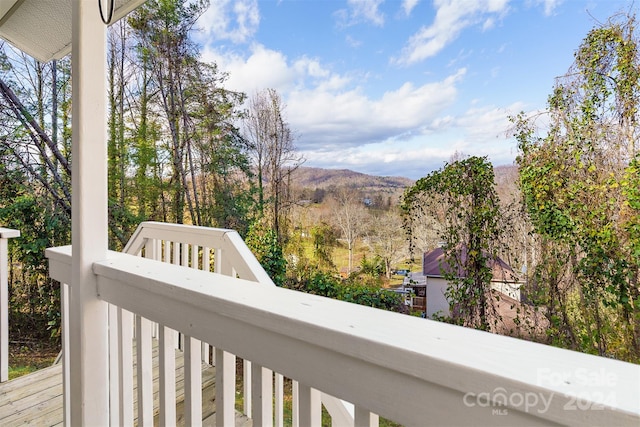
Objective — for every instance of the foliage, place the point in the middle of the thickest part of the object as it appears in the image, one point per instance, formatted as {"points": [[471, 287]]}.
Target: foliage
{"points": [[317, 282], [34, 299], [580, 187], [462, 197], [373, 267], [34, 194], [263, 241], [174, 152], [187, 120], [324, 241]]}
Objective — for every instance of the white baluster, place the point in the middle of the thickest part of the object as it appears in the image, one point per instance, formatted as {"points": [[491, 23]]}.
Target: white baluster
{"points": [[262, 396], [225, 388], [192, 382]]}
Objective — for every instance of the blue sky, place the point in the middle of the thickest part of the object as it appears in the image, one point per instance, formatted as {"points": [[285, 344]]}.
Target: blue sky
{"points": [[395, 87]]}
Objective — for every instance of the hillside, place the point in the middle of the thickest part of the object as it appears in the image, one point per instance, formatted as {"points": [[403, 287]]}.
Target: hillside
{"points": [[308, 177]]}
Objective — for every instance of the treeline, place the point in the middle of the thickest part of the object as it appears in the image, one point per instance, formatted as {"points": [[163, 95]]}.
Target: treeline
{"points": [[181, 148], [575, 233]]}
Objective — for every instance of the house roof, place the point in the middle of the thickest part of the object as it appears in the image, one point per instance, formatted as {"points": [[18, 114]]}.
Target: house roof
{"points": [[42, 28], [434, 265]]}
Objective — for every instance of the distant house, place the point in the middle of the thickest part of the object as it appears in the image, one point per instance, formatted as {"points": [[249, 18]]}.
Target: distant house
{"points": [[504, 280]]}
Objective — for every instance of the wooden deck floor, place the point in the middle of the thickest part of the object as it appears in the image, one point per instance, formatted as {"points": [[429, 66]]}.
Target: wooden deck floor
{"points": [[36, 399]]}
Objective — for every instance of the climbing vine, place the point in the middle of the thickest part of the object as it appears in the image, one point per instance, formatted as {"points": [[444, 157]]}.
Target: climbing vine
{"points": [[462, 197], [579, 184]]}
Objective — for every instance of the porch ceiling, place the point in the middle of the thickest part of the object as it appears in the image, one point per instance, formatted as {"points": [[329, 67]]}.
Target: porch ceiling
{"points": [[42, 28]]}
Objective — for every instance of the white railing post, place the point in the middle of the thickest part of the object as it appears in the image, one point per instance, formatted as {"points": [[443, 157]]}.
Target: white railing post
{"points": [[5, 235]]}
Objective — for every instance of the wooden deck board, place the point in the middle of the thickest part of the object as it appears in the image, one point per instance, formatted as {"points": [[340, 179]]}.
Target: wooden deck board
{"points": [[36, 399]]}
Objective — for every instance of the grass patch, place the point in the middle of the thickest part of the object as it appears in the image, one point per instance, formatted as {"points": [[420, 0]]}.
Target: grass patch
{"points": [[25, 358]]}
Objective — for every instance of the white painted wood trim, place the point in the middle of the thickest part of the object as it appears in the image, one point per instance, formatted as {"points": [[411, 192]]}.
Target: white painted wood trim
{"points": [[66, 365], [295, 404], [144, 368], [88, 326], [236, 254], [125, 364], [114, 365], [309, 406], [365, 418], [192, 382], [167, 377], [225, 388], [262, 395], [278, 395], [358, 351], [246, 387], [342, 413], [5, 235]]}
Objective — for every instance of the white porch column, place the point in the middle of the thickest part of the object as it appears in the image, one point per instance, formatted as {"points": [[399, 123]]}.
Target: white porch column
{"points": [[5, 235], [88, 331]]}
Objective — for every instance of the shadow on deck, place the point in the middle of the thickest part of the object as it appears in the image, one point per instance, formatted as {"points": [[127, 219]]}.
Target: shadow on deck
{"points": [[36, 398]]}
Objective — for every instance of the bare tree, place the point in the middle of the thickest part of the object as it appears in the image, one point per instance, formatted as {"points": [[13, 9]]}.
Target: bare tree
{"points": [[387, 239], [349, 216], [273, 154]]}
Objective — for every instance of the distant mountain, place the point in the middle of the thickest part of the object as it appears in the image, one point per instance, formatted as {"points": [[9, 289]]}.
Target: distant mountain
{"points": [[308, 177]]}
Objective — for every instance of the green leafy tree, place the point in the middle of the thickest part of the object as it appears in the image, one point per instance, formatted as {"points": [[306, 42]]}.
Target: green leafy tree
{"points": [[263, 242], [579, 184], [186, 134], [324, 241]]}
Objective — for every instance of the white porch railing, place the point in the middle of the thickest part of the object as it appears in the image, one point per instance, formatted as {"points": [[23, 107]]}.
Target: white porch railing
{"points": [[5, 235], [410, 370]]}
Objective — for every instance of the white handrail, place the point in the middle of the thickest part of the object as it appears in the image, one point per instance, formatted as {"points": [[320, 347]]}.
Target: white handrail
{"points": [[5, 235], [410, 370], [235, 254], [194, 247], [245, 264]]}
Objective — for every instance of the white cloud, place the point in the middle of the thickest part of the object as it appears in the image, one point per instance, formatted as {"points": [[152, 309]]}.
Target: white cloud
{"points": [[409, 5], [483, 125], [359, 11], [264, 68], [549, 5], [234, 20], [409, 130], [452, 17], [353, 42], [479, 131], [329, 120], [335, 121]]}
